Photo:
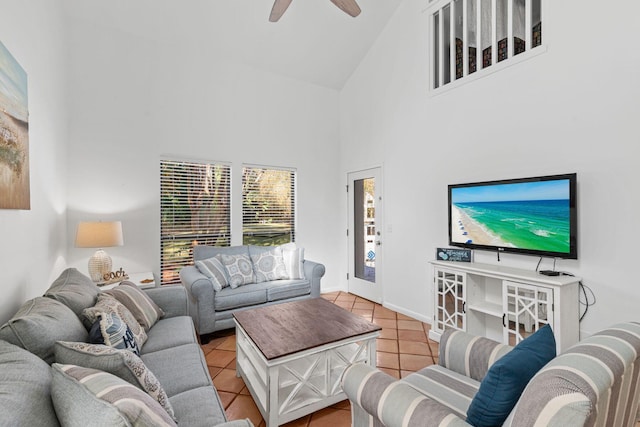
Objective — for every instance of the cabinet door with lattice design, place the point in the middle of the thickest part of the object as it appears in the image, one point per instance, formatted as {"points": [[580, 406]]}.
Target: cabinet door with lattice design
{"points": [[450, 300], [527, 309]]}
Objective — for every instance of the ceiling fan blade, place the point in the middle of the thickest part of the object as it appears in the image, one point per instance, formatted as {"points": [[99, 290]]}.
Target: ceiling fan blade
{"points": [[348, 6], [279, 7]]}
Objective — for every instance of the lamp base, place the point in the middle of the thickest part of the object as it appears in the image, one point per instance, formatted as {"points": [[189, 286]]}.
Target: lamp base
{"points": [[99, 264]]}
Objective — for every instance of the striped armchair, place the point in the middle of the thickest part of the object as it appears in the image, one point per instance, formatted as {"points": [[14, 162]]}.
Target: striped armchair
{"points": [[595, 382]]}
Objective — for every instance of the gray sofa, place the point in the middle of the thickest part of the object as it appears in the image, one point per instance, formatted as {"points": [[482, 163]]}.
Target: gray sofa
{"points": [[596, 382], [28, 355], [213, 310]]}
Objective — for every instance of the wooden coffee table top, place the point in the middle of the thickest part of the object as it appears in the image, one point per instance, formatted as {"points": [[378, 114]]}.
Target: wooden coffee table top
{"points": [[287, 328]]}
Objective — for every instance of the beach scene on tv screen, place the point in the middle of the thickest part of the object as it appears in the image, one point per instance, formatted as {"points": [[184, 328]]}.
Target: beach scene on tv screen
{"points": [[529, 215]]}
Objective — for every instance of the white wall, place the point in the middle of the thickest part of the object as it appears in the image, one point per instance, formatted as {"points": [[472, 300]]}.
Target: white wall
{"points": [[33, 242], [135, 99], [571, 109]]}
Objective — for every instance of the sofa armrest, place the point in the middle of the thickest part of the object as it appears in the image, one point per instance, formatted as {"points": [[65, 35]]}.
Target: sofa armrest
{"points": [[201, 294], [377, 395], [468, 354], [172, 299], [313, 271]]}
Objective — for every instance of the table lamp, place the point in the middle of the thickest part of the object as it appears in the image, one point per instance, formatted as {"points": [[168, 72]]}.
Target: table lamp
{"points": [[99, 235]]}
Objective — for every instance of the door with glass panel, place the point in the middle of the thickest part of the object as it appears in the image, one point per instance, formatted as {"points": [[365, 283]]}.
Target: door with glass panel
{"points": [[364, 189]]}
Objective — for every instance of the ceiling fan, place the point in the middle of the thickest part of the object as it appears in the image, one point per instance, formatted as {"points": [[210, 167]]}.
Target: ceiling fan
{"points": [[350, 7]]}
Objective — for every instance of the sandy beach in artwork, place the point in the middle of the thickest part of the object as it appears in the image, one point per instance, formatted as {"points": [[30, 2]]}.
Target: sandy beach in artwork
{"points": [[464, 229]]}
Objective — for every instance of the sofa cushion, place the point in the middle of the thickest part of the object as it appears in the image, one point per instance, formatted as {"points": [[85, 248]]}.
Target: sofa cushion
{"points": [[111, 331], [283, 289], [269, 265], [198, 407], [193, 372], [243, 296], [25, 384], [215, 271], [39, 323], [121, 363], [506, 379], [293, 260], [239, 269], [81, 394], [73, 289], [138, 303], [108, 304], [171, 332]]}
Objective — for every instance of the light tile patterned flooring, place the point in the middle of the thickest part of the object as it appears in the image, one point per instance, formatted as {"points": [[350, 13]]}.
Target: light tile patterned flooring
{"points": [[403, 347]]}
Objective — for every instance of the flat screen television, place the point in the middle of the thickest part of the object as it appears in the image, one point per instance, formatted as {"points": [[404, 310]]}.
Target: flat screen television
{"points": [[534, 216]]}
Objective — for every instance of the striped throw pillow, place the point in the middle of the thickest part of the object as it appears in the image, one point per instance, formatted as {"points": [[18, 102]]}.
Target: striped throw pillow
{"points": [[146, 312], [293, 260], [78, 391], [215, 271], [121, 363]]}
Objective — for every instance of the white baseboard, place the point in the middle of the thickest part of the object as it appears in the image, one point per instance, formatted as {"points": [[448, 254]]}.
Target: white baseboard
{"points": [[332, 289], [409, 313]]}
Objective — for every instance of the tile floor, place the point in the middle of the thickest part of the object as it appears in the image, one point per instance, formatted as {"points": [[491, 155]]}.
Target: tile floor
{"points": [[403, 348]]}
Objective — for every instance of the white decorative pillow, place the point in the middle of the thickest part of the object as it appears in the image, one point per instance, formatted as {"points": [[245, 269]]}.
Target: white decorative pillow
{"points": [[108, 304], [239, 269], [113, 332], [269, 265], [293, 260], [138, 302], [215, 271], [78, 391], [121, 363]]}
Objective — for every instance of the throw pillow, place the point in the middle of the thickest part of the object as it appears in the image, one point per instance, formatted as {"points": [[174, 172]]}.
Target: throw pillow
{"points": [[39, 323], [215, 271], [108, 304], [113, 332], [78, 391], [239, 269], [138, 302], [293, 260], [25, 384], [269, 265], [73, 289], [121, 363], [506, 379]]}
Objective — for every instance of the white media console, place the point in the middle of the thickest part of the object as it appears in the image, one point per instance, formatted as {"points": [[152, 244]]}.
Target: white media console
{"points": [[503, 303]]}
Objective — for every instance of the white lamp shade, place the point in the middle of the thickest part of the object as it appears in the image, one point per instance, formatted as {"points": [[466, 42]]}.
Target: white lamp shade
{"points": [[99, 234]]}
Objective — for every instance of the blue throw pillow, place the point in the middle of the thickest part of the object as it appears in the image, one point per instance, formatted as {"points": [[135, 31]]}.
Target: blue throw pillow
{"points": [[506, 379]]}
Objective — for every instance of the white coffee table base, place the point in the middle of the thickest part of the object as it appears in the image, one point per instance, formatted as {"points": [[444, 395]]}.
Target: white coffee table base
{"points": [[289, 387]]}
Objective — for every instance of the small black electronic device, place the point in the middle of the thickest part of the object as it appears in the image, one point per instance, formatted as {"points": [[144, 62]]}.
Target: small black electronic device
{"points": [[549, 272]]}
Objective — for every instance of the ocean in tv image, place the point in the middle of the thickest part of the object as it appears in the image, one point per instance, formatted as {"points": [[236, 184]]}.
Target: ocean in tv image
{"points": [[531, 215]]}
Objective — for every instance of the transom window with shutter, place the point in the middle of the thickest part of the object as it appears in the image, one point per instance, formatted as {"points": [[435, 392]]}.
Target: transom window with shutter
{"points": [[195, 209], [268, 205], [470, 37]]}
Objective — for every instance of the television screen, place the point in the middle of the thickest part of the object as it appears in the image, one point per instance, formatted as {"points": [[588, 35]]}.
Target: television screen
{"points": [[534, 216]]}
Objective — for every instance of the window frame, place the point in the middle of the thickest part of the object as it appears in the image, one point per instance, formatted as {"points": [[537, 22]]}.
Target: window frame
{"points": [[293, 223], [481, 72], [221, 209]]}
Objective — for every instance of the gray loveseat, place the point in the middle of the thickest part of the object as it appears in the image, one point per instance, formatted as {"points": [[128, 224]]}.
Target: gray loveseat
{"points": [[212, 310], [596, 382], [28, 352]]}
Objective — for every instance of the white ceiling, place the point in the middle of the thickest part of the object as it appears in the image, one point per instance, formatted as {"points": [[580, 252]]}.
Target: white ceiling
{"points": [[314, 41]]}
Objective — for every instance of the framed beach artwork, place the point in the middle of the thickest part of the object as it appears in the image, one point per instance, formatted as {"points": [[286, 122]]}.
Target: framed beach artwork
{"points": [[14, 134]]}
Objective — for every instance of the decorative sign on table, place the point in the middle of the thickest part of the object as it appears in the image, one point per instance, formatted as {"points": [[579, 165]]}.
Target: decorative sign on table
{"points": [[448, 254]]}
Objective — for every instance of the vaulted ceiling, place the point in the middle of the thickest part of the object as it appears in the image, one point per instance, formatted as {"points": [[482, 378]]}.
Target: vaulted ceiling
{"points": [[314, 41]]}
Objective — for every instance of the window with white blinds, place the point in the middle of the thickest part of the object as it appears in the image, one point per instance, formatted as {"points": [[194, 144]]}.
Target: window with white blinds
{"points": [[472, 36], [195, 209], [268, 206]]}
